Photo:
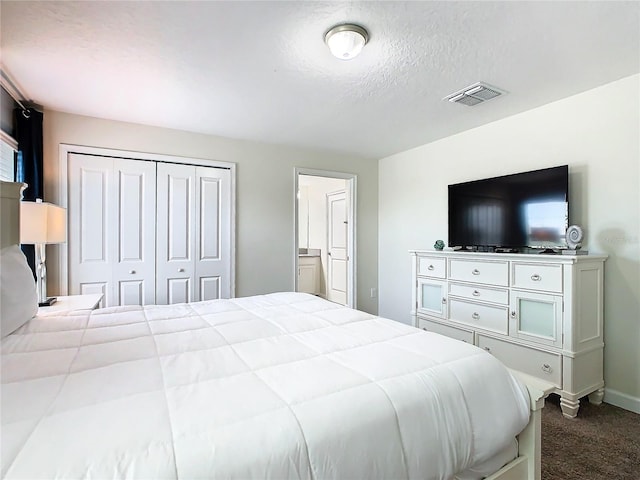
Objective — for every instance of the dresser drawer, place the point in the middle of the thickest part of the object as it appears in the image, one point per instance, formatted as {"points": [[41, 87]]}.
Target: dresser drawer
{"points": [[544, 365], [536, 276], [446, 330], [484, 294], [479, 271], [477, 315], [432, 267]]}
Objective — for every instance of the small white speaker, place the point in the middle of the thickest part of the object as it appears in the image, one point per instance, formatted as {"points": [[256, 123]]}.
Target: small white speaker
{"points": [[574, 237]]}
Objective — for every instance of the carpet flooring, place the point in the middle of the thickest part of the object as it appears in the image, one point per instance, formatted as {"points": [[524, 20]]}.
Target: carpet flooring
{"points": [[602, 443]]}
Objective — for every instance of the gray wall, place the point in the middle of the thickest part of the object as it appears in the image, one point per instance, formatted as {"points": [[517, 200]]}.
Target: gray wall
{"points": [[265, 194]]}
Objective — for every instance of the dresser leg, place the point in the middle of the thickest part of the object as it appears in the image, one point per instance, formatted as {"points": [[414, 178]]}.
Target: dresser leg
{"points": [[569, 407], [597, 396]]}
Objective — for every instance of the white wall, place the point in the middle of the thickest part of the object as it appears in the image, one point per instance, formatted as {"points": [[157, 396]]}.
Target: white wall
{"points": [[303, 216], [265, 194], [597, 133]]}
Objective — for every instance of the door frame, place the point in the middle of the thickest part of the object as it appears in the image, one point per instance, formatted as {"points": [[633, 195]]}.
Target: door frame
{"points": [[351, 181], [63, 154]]}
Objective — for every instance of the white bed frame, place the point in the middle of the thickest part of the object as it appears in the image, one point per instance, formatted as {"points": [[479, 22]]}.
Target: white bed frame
{"points": [[524, 467], [527, 465]]}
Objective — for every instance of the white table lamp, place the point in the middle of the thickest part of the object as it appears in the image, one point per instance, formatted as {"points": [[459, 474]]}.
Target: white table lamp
{"points": [[42, 223]]}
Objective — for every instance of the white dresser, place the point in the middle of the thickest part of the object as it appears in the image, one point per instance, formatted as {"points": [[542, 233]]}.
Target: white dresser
{"points": [[540, 314]]}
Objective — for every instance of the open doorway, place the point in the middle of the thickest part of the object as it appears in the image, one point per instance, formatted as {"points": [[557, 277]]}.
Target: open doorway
{"points": [[325, 235]]}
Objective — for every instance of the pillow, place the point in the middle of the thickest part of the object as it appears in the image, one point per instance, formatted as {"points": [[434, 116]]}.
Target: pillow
{"points": [[18, 297]]}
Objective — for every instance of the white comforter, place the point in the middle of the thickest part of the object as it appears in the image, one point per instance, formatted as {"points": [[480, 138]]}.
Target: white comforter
{"points": [[277, 386]]}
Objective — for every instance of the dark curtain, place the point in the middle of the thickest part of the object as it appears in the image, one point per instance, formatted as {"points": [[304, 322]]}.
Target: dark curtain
{"points": [[29, 170]]}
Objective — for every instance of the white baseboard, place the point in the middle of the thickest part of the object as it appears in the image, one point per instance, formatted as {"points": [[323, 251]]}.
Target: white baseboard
{"points": [[622, 400]]}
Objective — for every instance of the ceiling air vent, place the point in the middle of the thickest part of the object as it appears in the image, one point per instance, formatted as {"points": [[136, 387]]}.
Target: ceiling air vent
{"points": [[474, 94]]}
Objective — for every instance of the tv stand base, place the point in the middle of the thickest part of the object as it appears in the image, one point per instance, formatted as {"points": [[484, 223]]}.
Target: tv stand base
{"points": [[506, 250], [463, 248]]}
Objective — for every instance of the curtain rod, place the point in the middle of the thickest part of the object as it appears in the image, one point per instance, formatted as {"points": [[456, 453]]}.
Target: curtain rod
{"points": [[20, 104], [10, 86]]}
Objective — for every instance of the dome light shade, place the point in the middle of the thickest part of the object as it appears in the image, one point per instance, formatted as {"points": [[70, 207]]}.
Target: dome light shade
{"points": [[346, 41]]}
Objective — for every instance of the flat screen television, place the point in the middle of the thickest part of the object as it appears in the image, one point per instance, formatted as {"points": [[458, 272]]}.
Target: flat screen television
{"points": [[523, 210]]}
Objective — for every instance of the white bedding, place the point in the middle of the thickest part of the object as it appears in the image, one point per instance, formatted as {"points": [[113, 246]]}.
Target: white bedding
{"points": [[277, 386]]}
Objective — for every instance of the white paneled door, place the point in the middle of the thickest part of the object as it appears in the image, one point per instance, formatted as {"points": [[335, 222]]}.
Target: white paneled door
{"points": [[337, 256], [193, 260], [134, 222], [144, 232], [111, 211]]}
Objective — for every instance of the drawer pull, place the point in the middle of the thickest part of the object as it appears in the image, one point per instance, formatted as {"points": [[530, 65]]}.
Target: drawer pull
{"points": [[444, 300], [476, 293], [431, 267], [487, 349], [546, 368], [536, 277], [475, 271], [132, 272], [181, 270], [513, 314], [475, 316]]}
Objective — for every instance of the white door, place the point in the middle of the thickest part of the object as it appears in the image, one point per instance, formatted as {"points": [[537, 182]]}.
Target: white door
{"points": [[143, 232], [193, 233], [135, 246], [111, 209], [337, 254], [175, 233], [213, 230]]}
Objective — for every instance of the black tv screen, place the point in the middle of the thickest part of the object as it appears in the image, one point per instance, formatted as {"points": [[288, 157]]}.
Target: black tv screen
{"points": [[528, 209]]}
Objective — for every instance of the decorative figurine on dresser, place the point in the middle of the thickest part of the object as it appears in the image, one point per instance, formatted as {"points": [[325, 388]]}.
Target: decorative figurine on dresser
{"points": [[539, 314]]}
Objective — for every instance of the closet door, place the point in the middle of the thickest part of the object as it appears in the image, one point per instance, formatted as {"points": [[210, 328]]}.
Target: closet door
{"points": [[89, 186], [213, 230], [193, 233], [135, 246], [176, 201], [111, 209]]}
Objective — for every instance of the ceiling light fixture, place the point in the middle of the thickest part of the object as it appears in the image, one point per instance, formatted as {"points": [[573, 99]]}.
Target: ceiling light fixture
{"points": [[346, 41]]}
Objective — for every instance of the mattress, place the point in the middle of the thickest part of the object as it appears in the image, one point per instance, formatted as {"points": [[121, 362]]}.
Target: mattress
{"points": [[285, 385]]}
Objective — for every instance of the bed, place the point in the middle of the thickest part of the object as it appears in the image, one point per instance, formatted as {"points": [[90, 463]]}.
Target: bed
{"points": [[284, 385]]}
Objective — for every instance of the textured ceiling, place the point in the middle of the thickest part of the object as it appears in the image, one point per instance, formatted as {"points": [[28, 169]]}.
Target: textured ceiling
{"points": [[260, 70]]}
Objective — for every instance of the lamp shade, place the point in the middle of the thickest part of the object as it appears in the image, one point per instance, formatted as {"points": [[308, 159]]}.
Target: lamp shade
{"points": [[42, 223]]}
